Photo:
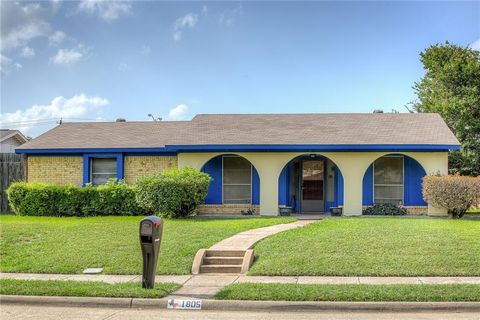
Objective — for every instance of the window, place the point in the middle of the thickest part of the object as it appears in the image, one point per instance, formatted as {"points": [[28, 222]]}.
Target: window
{"points": [[102, 169], [388, 180], [237, 180]]}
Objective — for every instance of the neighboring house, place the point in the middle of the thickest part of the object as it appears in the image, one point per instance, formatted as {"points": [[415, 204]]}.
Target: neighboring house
{"points": [[307, 162], [11, 139]]}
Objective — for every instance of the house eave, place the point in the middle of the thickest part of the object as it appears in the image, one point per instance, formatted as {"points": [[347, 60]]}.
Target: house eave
{"points": [[174, 149]]}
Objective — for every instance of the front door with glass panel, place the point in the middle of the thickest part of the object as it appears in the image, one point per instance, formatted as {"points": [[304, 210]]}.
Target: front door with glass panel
{"points": [[312, 186]]}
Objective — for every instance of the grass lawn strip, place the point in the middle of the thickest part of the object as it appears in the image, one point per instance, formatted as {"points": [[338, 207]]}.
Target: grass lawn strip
{"points": [[373, 247], [350, 292], [84, 289], [69, 245]]}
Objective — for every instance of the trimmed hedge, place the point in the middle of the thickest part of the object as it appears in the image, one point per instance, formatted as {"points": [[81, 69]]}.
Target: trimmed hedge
{"points": [[38, 199], [457, 194], [173, 193], [385, 209]]}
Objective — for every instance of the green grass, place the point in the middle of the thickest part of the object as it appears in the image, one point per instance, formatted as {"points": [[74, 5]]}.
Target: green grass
{"points": [[69, 245], [373, 247], [350, 292], [84, 289]]}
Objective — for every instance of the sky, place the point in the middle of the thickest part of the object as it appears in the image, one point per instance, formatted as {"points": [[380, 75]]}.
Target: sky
{"points": [[103, 60]]}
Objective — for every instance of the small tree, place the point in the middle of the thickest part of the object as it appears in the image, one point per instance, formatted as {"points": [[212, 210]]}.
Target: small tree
{"points": [[173, 193], [457, 194]]}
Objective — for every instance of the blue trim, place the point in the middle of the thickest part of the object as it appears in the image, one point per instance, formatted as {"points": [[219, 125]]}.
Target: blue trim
{"points": [[367, 194], [412, 184], [86, 164], [255, 186], [214, 169], [256, 148]]}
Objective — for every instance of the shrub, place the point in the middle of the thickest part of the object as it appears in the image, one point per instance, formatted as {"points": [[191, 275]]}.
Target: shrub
{"points": [[385, 209], [38, 199], [173, 193], [455, 193]]}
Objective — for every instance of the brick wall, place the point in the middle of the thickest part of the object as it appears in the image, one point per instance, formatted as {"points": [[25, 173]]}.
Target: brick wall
{"points": [[226, 208], [139, 166], [55, 170]]}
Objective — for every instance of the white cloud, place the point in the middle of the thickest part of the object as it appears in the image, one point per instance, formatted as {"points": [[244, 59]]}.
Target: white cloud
{"points": [[75, 108], [188, 21], [145, 50], [56, 38], [475, 45], [67, 56], [178, 113], [23, 22], [27, 52], [7, 64], [229, 16], [106, 10], [123, 67]]}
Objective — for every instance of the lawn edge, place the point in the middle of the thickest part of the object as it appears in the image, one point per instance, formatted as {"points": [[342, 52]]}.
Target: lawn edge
{"points": [[240, 305]]}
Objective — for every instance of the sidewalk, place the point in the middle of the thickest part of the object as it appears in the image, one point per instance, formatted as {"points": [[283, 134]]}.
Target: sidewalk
{"points": [[217, 280]]}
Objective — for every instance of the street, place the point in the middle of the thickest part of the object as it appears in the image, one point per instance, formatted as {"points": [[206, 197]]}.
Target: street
{"points": [[16, 311]]}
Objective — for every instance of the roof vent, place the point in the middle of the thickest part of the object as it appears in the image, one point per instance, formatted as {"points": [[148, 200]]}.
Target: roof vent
{"points": [[378, 111], [121, 120]]}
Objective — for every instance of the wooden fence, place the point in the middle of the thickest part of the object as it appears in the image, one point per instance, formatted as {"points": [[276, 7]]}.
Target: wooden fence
{"points": [[12, 168]]}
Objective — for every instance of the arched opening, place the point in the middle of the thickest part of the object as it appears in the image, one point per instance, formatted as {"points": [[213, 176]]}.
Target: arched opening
{"points": [[396, 179], [235, 181], [310, 184]]}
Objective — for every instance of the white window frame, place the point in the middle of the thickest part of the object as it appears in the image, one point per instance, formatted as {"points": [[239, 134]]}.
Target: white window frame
{"points": [[107, 173], [237, 184], [390, 185]]}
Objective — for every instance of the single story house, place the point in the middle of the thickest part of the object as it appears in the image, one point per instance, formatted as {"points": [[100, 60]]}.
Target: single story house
{"points": [[305, 162]]}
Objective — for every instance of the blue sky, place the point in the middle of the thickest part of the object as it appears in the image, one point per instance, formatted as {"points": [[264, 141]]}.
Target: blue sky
{"points": [[93, 60]]}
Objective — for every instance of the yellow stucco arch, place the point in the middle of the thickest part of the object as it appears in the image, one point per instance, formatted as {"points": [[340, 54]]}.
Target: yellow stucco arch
{"points": [[352, 165]]}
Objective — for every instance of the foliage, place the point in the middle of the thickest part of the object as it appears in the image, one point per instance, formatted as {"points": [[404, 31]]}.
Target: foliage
{"points": [[349, 292], [83, 288], [38, 199], [384, 209], [372, 247], [174, 192], [37, 244], [451, 87], [457, 194]]}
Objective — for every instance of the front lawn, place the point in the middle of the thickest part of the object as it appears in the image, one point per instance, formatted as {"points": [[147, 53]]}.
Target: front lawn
{"points": [[84, 289], [373, 247], [69, 245], [350, 292]]}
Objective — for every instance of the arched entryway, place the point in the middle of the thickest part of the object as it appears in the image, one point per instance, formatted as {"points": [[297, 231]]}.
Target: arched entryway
{"points": [[235, 181], [395, 179], [310, 183]]}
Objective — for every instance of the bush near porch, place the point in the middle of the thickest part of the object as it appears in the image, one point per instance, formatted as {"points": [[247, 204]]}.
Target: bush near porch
{"points": [[373, 247], [71, 244], [457, 194]]}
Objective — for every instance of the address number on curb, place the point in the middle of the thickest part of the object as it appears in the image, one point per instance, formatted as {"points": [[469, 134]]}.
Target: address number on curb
{"points": [[192, 304]]}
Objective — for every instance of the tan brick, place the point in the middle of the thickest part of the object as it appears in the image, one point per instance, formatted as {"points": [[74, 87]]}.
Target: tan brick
{"points": [[55, 170], [226, 208], [139, 166]]}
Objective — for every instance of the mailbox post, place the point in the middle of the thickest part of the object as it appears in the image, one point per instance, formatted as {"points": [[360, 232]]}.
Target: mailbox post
{"points": [[150, 237]]}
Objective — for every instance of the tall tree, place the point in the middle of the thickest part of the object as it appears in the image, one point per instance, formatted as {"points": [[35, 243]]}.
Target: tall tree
{"points": [[451, 87]]}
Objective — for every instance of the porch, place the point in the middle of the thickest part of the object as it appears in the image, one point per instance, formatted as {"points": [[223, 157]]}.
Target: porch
{"points": [[315, 181]]}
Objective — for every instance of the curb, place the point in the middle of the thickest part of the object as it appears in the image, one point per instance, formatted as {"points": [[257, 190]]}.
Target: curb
{"points": [[240, 305]]}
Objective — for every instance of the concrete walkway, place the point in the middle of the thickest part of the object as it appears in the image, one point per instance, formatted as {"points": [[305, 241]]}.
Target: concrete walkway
{"points": [[245, 240]]}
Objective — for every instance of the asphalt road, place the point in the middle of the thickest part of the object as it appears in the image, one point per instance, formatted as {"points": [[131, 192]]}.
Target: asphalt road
{"points": [[16, 311]]}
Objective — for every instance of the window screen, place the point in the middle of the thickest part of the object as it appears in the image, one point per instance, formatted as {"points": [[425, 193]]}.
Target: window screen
{"points": [[388, 180], [103, 169], [237, 180]]}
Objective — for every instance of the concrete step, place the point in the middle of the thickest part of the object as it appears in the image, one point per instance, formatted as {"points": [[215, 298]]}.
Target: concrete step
{"points": [[222, 261], [225, 253], [220, 268]]}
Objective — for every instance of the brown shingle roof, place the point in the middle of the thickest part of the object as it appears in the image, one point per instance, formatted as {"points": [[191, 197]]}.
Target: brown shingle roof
{"points": [[256, 129]]}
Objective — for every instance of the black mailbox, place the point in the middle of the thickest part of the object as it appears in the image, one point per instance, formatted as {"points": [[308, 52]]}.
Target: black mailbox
{"points": [[150, 238]]}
